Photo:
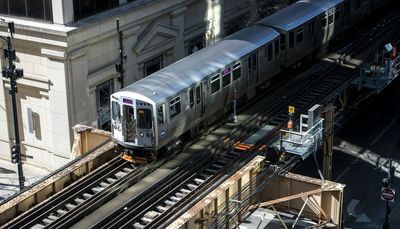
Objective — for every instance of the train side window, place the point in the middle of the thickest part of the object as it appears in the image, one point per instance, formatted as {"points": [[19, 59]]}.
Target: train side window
{"points": [[283, 42], [300, 35], [269, 52], [254, 61], [191, 97], [215, 83], [198, 94], [346, 8], [311, 27], [330, 19], [337, 14], [226, 78], [237, 71], [323, 22], [116, 111], [291, 40], [160, 114], [175, 106], [276, 48]]}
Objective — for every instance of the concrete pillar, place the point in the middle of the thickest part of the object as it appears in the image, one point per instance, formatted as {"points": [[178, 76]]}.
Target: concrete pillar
{"points": [[63, 11], [59, 114], [215, 29], [178, 21]]}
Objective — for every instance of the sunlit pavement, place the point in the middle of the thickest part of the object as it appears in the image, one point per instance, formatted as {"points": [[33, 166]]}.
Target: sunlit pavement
{"points": [[361, 156], [9, 183]]}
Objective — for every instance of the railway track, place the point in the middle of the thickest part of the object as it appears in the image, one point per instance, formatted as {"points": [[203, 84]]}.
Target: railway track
{"points": [[328, 84], [88, 194], [77, 196]]}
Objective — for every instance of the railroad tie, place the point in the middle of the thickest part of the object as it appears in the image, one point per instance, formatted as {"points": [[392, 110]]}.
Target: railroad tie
{"points": [[70, 206], [162, 208], [192, 186]]}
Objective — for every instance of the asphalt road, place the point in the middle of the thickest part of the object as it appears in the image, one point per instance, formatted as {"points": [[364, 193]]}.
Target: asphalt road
{"points": [[362, 151]]}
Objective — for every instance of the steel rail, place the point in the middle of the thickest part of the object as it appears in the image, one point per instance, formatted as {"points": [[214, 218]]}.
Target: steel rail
{"points": [[41, 211], [328, 88]]}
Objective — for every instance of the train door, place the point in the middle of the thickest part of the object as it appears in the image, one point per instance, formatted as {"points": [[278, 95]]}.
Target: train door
{"points": [[199, 101], [191, 111], [161, 123], [129, 121], [252, 62]]}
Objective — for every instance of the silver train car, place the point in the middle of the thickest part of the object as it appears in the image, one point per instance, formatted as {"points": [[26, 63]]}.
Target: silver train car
{"points": [[181, 99]]}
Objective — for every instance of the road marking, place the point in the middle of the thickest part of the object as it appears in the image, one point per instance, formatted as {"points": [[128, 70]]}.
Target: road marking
{"points": [[384, 130]]}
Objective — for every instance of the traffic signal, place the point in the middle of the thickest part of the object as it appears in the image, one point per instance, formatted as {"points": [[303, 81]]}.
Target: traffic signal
{"points": [[15, 156], [19, 72], [118, 67]]}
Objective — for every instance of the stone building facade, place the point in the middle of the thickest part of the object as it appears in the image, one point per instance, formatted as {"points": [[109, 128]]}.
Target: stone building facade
{"points": [[68, 49]]}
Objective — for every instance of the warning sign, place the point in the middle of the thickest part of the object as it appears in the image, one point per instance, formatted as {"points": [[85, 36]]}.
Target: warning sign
{"points": [[388, 194], [291, 109]]}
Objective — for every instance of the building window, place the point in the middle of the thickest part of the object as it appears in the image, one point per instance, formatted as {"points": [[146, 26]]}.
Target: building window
{"points": [[153, 65], [160, 114], [85, 8], [330, 19], [215, 83], [175, 107], [33, 9], [226, 77], [276, 48], [103, 93], [300, 35], [237, 71], [269, 52], [195, 45], [291, 39], [323, 22]]}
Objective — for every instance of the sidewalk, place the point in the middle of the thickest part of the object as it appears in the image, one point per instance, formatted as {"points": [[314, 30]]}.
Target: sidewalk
{"points": [[9, 178]]}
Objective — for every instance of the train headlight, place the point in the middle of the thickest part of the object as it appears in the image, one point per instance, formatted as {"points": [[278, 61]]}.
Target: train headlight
{"points": [[141, 134]]}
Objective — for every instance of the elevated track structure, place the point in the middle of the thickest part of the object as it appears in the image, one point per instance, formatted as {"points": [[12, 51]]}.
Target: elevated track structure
{"points": [[206, 164]]}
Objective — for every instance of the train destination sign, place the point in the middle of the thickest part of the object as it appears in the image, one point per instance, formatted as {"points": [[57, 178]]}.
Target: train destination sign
{"points": [[388, 194]]}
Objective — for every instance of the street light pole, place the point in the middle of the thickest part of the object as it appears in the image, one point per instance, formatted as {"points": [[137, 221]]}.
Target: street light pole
{"points": [[13, 74], [119, 66]]}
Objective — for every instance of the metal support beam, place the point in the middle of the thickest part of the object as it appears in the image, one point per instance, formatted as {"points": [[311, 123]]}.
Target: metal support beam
{"points": [[329, 117]]}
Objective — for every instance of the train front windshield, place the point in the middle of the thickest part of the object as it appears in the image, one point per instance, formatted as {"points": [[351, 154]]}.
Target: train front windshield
{"points": [[116, 112], [144, 119]]}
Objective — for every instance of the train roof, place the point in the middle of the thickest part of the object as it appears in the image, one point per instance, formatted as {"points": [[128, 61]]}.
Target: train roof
{"points": [[298, 13], [188, 71], [292, 16], [323, 4]]}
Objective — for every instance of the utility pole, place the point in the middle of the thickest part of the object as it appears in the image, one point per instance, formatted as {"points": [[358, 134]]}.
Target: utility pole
{"points": [[13, 74], [119, 66], [388, 194]]}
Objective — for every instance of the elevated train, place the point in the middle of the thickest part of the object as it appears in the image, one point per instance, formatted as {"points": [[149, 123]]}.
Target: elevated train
{"points": [[181, 99]]}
